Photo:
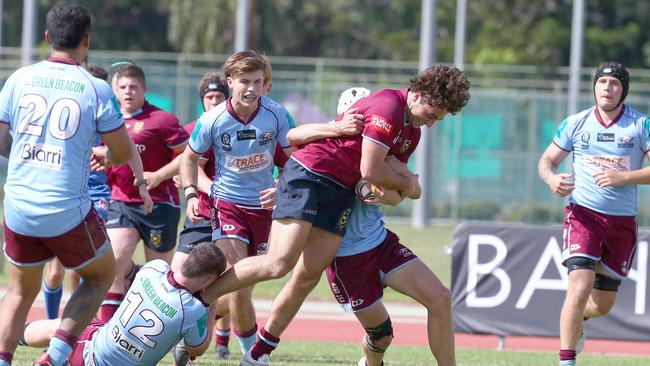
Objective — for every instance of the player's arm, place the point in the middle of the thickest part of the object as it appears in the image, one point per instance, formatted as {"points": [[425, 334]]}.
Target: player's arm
{"points": [[350, 124], [119, 146], [375, 170], [390, 196], [204, 183], [613, 178], [548, 164], [188, 166], [201, 348], [5, 139], [167, 171], [135, 163]]}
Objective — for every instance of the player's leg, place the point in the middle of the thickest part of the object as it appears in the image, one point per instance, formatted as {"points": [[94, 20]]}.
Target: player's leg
{"points": [[581, 281], [38, 333], [24, 285], [379, 333], [603, 295], [319, 251], [290, 234], [53, 288], [417, 281], [73, 280], [242, 311], [124, 237], [222, 337]]}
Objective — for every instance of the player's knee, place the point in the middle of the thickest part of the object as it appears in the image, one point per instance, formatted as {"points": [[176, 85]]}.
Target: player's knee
{"points": [[606, 283], [54, 279], [379, 338], [574, 263], [439, 300]]}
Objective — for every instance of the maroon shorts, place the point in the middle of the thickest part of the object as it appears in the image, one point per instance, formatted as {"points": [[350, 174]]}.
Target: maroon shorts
{"points": [[76, 358], [357, 281], [74, 249], [250, 224], [608, 239]]}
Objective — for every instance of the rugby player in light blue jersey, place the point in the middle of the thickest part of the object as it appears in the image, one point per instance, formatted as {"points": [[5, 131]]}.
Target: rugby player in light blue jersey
{"points": [[609, 143], [51, 112], [161, 308]]}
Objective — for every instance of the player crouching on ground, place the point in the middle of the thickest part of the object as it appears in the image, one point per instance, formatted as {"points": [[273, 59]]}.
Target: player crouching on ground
{"points": [[160, 309]]}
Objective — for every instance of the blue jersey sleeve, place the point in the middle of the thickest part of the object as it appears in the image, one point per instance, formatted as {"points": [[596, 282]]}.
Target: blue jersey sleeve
{"points": [[197, 331], [286, 124], [645, 135], [5, 101], [201, 139], [563, 135], [109, 117]]}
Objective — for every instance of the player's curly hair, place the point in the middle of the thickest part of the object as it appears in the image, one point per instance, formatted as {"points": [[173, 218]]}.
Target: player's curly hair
{"points": [[204, 259], [442, 86], [211, 81]]}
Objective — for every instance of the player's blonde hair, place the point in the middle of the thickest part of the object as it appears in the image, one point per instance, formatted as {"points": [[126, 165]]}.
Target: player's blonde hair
{"points": [[247, 61]]}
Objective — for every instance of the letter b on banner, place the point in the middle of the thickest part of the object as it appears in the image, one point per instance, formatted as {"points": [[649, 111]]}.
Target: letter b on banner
{"points": [[477, 271]]}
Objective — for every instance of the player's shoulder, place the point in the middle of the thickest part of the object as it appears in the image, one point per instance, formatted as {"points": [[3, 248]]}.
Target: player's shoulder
{"points": [[157, 265], [272, 105], [633, 114]]}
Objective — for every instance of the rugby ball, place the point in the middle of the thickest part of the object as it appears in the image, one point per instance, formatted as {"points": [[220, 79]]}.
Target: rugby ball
{"points": [[364, 190]]}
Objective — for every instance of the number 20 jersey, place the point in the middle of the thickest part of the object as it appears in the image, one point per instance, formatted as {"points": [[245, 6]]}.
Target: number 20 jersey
{"points": [[155, 315], [54, 109]]}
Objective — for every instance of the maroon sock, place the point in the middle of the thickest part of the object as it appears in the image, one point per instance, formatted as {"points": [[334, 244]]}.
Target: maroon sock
{"points": [[109, 306], [6, 356], [266, 343], [222, 337], [567, 354], [246, 334], [69, 338]]}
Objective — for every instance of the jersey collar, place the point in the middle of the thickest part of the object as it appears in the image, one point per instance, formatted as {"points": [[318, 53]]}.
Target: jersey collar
{"points": [[63, 61], [600, 119], [172, 281]]}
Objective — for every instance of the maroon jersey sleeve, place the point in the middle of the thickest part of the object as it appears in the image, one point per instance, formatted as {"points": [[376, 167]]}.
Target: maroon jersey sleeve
{"points": [[384, 118], [280, 157], [171, 131]]}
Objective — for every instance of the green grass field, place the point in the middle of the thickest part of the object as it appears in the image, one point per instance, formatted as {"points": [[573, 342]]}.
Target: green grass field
{"points": [[292, 353], [429, 245]]}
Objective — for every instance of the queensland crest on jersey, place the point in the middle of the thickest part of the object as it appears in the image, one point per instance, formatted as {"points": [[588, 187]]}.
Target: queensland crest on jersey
{"points": [[155, 238], [138, 127], [344, 218], [406, 145], [225, 140]]}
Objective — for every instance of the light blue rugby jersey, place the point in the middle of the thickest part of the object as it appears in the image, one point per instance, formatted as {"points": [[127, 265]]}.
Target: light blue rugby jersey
{"points": [[154, 316], [243, 152], [54, 109], [365, 230], [621, 146]]}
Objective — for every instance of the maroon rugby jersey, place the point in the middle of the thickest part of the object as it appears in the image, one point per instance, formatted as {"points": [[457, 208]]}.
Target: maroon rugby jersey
{"points": [[406, 143], [209, 169], [339, 158], [155, 134]]}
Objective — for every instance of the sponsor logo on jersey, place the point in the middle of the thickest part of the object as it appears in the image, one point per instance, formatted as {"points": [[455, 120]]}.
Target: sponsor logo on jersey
{"points": [[573, 247], [266, 138], [246, 135], [42, 155], [608, 162], [125, 344], [247, 163], [381, 125], [626, 142], [141, 148], [228, 227], [605, 137], [310, 211], [138, 127]]}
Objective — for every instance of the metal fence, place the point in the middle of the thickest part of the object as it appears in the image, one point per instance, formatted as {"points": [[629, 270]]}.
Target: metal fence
{"points": [[484, 161]]}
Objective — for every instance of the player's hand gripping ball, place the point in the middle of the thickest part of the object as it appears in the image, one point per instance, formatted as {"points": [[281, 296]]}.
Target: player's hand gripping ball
{"points": [[365, 190]]}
